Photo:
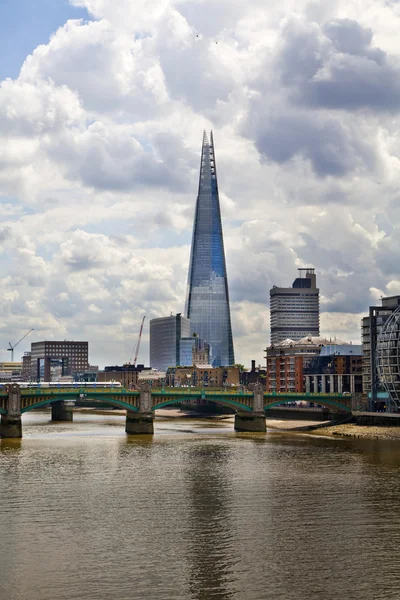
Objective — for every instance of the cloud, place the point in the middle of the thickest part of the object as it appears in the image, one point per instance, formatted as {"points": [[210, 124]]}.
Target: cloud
{"points": [[336, 66], [100, 149]]}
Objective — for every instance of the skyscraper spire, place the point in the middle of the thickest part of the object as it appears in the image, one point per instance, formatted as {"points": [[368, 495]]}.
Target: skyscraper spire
{"points": [[207, 302]]}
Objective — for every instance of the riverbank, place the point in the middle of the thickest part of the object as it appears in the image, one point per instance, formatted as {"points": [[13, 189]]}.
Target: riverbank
{"points": [[373, 432]]}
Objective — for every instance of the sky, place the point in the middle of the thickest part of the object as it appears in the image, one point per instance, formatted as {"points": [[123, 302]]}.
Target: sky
{"points": [[102, 110]]}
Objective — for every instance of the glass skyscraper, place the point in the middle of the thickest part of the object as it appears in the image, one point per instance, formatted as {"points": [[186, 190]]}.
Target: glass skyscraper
{"points": [[207, 301]]}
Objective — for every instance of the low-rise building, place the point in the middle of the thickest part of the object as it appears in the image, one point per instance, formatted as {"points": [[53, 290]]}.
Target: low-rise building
{"points": [[256, 375], [314, 364], [10, 372], [126, 375], [203, 375]]}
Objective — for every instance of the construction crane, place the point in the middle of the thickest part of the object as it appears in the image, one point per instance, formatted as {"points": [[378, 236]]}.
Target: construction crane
{"points": [[11, 348], [138, 343]]}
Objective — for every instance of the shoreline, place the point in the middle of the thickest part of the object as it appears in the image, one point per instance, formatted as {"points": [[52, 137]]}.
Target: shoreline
{"points": [[351, 430]]}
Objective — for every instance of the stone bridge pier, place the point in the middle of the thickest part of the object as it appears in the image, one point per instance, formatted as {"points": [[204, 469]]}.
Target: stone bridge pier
{"points": [[143, 421], [253, 421], [11, 424], [62, 411]]}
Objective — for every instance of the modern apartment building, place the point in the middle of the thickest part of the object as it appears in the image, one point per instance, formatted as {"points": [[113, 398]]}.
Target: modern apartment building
{"points": [[295, 310], [52, 360], [165, 340]]}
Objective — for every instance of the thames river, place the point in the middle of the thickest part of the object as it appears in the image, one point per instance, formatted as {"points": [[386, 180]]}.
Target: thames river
{"points": [[197, 512]]}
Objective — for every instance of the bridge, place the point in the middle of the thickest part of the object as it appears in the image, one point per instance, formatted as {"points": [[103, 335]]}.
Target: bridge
{"points": [[249, 407]]}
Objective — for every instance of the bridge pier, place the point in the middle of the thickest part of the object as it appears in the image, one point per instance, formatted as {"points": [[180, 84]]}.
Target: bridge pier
{"points": [[250, 421], [11, 424], [141, 422], [253, 421], [10, 427], [62, 411]]}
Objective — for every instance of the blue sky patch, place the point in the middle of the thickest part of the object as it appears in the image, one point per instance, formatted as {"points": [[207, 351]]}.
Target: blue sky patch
{"points": [[24, 24]]}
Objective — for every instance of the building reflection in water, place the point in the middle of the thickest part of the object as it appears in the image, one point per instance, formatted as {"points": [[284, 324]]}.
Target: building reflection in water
{"points": [[211, 547]]}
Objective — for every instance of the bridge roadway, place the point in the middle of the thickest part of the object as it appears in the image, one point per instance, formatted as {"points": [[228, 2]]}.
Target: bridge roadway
{"points": [[140, 404]]}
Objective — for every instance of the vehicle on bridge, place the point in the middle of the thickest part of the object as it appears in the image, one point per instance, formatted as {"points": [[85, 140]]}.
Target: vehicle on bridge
{"points": [[62, 384]]}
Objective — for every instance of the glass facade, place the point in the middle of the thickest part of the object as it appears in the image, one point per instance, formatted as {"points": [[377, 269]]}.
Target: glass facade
{"points": [[207, 301], [165, 337], [388, 356]]}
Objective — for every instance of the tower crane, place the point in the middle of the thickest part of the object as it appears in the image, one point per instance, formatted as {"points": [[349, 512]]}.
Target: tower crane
{"points": [[11, 348], [138, 344]]}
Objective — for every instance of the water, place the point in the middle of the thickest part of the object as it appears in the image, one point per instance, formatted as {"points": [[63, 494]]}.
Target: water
{"points": [[195, 513]]}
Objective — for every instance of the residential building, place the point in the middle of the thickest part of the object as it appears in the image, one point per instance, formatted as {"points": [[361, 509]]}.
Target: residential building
{"points": [[165, 340], [207, 302], [294, 311], [314, 364], [51, 360], [337, 369]]}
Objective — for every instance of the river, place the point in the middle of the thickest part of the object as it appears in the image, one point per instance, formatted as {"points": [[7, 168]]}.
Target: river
{"points": [[196, 512]]}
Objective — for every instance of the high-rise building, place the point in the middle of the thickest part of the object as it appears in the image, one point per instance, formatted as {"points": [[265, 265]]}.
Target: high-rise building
{"points": [[207, 301], [295, 310], [165, 340]]}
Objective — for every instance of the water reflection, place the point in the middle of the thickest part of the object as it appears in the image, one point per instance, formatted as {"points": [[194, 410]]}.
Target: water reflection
{"points": [[211, 555]]}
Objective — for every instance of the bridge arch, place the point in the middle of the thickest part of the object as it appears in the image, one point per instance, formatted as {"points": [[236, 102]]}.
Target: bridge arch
{"points": [[68, 398], [227, 402]]}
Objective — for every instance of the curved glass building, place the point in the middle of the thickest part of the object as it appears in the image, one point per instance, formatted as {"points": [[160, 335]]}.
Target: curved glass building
{"points": [[207, 301], [388, 356]]}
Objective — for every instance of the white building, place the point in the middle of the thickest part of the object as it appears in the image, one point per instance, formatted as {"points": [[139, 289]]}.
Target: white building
{"points": [[295, 310]]}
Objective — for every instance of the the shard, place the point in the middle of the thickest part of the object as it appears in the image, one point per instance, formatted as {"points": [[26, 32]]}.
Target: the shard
{"points": [[207, 301]]}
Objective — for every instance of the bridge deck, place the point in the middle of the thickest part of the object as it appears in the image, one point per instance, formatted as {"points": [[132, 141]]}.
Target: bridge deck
{"points": [[129, 399]]}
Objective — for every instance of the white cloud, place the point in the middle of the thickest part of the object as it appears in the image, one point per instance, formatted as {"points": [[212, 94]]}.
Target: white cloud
{"points": [[99, 154]]}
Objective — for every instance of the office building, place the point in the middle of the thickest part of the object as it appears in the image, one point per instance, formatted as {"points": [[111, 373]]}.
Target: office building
{"points": [[388, 359], [295, 310], [26, 367], [165, 340], [53, 360], [10, 372], [207, 301], [371, 327]]}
